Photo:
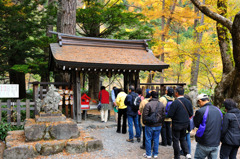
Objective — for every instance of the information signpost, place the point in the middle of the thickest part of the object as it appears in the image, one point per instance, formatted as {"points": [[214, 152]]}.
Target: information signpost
{"points": [[9, 91]]}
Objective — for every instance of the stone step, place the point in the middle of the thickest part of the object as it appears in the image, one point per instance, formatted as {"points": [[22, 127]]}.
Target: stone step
{"points": [[18, 148]]}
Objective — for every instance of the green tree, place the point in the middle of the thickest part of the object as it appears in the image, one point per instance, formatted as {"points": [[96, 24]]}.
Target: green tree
{"points": [[108, 19], [22, 34]]}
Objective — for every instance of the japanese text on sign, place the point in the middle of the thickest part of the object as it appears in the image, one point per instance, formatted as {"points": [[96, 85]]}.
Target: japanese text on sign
{"points": [[9, 91]]}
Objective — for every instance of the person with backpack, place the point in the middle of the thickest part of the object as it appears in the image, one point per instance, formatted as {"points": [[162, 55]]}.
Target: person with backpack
{"points": [[132, 115], [166, 132], [230, 131], [153, 116], [137, 102], [180, 111], [208, 120]]}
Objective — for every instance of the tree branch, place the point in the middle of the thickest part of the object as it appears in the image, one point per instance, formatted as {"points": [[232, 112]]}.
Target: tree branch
{"points": [[217, 17]]}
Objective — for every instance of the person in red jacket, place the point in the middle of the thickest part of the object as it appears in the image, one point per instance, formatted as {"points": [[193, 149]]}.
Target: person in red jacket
{"points": [[103, 97]]}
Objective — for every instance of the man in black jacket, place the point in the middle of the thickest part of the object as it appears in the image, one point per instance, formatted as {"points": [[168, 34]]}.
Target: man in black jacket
{"points": [[230, 136], [208, 120], [180, 111], [152, 130], [132, 115]]}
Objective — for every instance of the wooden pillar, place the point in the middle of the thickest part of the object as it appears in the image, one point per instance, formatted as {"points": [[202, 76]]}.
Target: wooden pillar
{"points": [[137, 80], [131, 79], [110, 106], [125, 82], [77, 97], [35, 96]]}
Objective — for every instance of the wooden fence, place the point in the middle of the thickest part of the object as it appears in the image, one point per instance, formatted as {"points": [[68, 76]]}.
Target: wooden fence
{"points": [[14, 108]]}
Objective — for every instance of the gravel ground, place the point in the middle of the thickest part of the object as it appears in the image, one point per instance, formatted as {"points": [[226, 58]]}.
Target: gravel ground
{"points": [[115, 145]]}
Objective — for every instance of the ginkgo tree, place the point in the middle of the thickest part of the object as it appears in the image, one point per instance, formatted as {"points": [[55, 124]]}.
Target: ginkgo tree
{"points": [[230, 83]]}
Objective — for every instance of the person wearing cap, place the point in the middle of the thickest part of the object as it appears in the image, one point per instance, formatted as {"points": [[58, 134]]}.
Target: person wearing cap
{"points": [[180, 111], [230, 136], [166, 133], [208, 120]]}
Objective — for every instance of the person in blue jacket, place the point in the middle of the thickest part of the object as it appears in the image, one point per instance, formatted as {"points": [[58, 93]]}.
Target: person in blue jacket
{"points": [[208, 120], [132, 115]]}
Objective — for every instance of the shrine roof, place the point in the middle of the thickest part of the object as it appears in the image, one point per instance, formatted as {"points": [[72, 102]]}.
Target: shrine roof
{"points": [[97, 53]]}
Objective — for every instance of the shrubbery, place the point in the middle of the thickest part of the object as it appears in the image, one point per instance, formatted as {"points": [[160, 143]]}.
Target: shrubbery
{"points": [[5, 127]]}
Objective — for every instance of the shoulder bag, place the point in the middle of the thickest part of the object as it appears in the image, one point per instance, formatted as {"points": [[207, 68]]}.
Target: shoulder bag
{"points": [[191, 126]]}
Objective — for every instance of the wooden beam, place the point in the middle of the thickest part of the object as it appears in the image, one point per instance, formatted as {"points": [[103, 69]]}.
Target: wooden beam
{"points": [[180, 84]]}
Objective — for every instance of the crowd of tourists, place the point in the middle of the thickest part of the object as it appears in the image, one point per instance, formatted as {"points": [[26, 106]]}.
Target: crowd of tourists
{"points": [[172, 117]]}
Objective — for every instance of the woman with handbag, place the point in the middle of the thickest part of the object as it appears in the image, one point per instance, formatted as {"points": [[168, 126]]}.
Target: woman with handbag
{"points": [[230, 130], [103, 97]]}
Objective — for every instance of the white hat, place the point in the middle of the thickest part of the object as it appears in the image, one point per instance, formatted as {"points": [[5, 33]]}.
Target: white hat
{"points": [[202, 96]]}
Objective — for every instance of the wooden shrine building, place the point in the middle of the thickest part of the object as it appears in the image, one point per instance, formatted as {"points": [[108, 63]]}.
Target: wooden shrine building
{"points": [[75, 55]]}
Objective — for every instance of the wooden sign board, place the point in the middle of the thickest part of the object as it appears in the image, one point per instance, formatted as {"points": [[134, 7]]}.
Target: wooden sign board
{"points": [[9, 91]]}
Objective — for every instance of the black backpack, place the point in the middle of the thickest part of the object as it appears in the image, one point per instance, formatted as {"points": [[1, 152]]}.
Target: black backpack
{"points": [[136, 100], [152, 118]]}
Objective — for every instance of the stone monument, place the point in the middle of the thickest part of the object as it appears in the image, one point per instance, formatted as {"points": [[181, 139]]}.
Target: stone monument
{"points": [[193, 95], [49, 133]]}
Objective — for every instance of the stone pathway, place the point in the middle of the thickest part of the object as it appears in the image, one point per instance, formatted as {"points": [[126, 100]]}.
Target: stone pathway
{"points": [[115, 145]]}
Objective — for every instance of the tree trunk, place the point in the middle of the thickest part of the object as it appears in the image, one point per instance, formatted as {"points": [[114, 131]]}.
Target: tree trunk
{"points": [[163, 40], [67, 17], [196, 59], [150, 78], [222, 90], [66, 23], [229, 87], [93, 85], [18, 78]]}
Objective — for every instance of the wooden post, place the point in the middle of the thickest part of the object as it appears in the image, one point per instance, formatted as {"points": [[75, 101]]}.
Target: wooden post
{"points": [[18, 113], [126, 84], [110, 106], [137, 80], [41, 92], [162, 89], [77, 96], [71, 111], [74, 95], [0, 110], [66, 110], [27, 108], [9, 111], [158, 92], [35, 96], [144, 91]]}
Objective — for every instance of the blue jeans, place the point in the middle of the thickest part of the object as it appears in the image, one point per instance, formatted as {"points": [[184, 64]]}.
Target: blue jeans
{"points": [[152, 133], [188, 142], [131, 120], [205, 151]]}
